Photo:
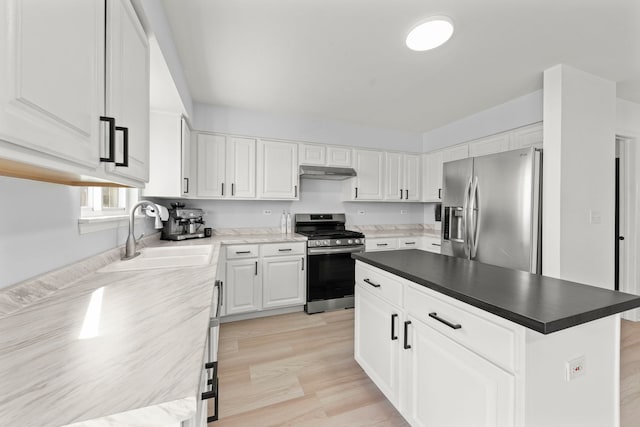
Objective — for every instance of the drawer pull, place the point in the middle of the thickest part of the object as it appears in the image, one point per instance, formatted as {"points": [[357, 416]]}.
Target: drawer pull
{"points": [[393, 327], [284, 250], [382, 244], [449, 324], [375, 285], [242, 252], [407, 346], [409, 243]]}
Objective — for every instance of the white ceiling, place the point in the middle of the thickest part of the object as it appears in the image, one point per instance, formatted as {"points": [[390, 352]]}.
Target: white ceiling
{"points": [[346, 59]]}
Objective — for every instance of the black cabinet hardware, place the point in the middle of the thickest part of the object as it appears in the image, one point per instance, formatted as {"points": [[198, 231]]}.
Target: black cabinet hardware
{"points": [[222, 189], [125, 146], [186, 181], [295, 189], [242, 252], [406, 335], [284, 250], [356, 192], [409, 243], [401, 194], [393, 327], [440, 319], [382, 244], [406, 194], [302, 263], [111, 149], [620, 237], [233, 189], [439, 193], [436, 244], [212, 393], [256, 268], [375, 285]]}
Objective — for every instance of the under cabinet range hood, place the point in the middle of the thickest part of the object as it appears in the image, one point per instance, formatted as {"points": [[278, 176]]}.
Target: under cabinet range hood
{"points": [[326, 172]]}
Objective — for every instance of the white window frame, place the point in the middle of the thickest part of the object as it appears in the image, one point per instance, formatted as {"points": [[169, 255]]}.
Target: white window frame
{"points": [[96, 218]]}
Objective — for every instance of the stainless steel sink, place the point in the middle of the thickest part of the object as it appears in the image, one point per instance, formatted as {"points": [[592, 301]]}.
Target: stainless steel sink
{"points": [[164, 257]]}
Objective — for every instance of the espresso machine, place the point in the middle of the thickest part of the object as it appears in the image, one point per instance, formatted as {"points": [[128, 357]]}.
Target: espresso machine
{"points": [[183, 223]]}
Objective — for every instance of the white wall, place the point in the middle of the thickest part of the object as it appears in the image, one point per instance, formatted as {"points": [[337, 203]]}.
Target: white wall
{"points": [[578, 182], [518, 112], [39, 229], [315, 196], [627, 118], [254, 123]]}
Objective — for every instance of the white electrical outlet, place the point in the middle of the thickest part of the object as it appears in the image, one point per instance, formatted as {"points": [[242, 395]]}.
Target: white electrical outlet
{"points": [[403, 211], [267, 211], [575, 368], [360, 212], [595, 217]]}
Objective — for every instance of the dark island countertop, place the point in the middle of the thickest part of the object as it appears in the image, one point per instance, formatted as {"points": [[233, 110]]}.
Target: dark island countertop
{"points": [[540, 303]]}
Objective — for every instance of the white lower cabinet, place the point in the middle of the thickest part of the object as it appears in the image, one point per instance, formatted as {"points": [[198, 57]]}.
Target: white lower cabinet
{"points": [[264, 277], [448, 385], [283, 281], [243, 286], [425, 243]]}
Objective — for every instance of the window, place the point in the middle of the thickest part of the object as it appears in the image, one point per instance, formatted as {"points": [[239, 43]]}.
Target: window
{"points": [[103, 208]]}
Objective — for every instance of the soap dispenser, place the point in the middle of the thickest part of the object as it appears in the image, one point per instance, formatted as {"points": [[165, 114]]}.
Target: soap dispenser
{"points": [[283, 223]]}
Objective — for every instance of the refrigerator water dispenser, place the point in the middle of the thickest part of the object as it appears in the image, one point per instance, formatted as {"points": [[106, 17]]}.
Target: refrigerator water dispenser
{"points": [[454, 223]]}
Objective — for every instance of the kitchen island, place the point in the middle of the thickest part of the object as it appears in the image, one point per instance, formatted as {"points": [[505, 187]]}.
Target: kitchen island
{"points": [[457, 342]]}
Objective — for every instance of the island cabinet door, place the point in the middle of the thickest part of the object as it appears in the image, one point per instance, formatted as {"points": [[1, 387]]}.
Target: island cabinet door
{"points": [[445, 384], [377, 341]]}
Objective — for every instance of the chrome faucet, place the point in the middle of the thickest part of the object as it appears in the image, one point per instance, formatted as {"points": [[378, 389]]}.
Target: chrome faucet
{"points": [[130, 245]]}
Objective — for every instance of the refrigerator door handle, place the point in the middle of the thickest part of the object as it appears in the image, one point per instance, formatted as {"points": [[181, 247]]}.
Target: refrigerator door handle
{"points": [[465, 222], [474, 214]]}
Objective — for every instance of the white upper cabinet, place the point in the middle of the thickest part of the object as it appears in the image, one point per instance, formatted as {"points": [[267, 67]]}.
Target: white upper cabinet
{"points": [[226, 166], [395, 177], [188, 184], [52, 79], [412, 177], [339, 156], [127, 89], [527, 136], [369, 184], [432, 177], [74, 89], [489, 145], [277, 170], [325, 155], [312, 154]]}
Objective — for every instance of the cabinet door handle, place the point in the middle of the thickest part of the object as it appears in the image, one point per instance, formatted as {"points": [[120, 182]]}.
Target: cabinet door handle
{"points": [[375, 285], [111, 149], [295, 191], [449, 324], [406, 194], [222, 189], [356, 193], [409, 243], [302, 263], [233, 189], [393, 327], [382, 244], [401, 194], [436, 244], [407, 346], [125, 146], [243, 252], [439, 193], [284, 250], [256, 273], [186, 181]]}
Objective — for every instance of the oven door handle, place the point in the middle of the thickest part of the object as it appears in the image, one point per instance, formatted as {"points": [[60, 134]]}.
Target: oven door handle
{"points": [[329, 251]]}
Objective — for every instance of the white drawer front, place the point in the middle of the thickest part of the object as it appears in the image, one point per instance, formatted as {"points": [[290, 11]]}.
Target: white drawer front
{"points": [[287, 248], [242, 251], [431, 244], [409, 242], [385, 244], [494, 341], [379, 282]]}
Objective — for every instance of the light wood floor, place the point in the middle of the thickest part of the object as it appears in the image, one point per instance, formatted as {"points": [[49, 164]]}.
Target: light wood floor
{"points": [[298, 370]]}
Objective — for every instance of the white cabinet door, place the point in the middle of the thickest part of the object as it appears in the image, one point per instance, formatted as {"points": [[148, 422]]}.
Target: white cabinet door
{"points": [[243, 286], [185, 145], [338, 156], [377, 341], [412, 177], [212, 166], [446, 384], [164, 168], [52, 78], [312, 154], [394, 181], [489, 145], [283, 281], [277, 170], [432, 177], [527, 136], [369, 166], [241, 167], [127, 90]]}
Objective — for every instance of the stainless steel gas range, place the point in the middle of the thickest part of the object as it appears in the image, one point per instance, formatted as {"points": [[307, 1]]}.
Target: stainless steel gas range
{"points": [[331, 270]]}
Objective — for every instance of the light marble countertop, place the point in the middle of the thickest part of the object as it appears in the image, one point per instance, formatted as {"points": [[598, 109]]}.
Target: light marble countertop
{"points": [[408, 230], [144, 365]]}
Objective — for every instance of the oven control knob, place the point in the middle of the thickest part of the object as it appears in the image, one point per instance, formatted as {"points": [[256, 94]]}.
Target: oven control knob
{"points": [[338, 242], [325, 242], [358, 241], [350, 242]]}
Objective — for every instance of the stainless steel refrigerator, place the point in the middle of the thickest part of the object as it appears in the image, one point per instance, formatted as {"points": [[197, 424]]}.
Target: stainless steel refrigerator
{"points": [[491, 209]]}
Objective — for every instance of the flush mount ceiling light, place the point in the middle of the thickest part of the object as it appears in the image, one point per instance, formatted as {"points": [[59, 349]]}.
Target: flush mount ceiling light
{"points": [[430, 33]]}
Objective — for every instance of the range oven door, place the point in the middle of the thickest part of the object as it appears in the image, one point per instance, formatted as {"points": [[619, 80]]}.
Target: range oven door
{"points": [[331, 272]]}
